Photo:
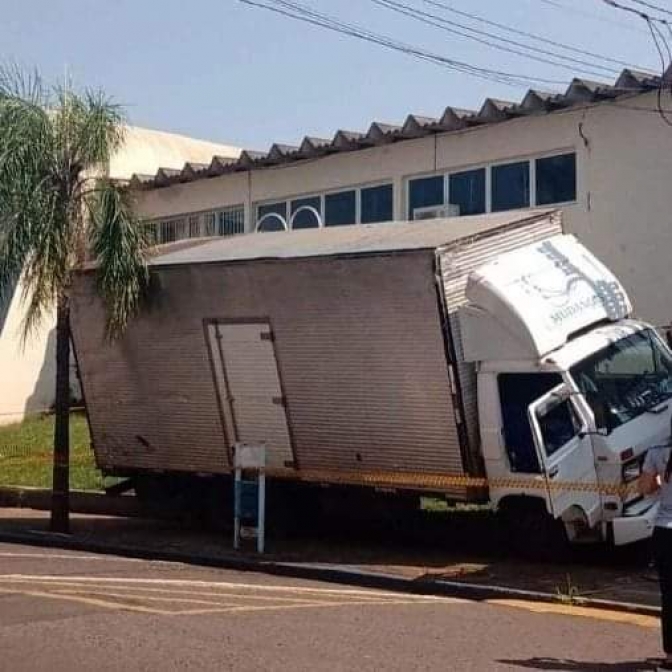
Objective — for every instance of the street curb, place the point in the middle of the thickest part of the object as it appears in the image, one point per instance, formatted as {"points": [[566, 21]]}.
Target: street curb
{"points": [[81, 501], [343, 575]]}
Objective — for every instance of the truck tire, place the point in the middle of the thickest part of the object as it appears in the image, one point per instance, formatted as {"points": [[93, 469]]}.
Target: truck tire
{"points": [[530, 532]]}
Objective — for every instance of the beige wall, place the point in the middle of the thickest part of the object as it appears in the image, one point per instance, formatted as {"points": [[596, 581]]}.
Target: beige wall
{"points": [[622, 210], [27, 371], [27, 368], [145, 150]]}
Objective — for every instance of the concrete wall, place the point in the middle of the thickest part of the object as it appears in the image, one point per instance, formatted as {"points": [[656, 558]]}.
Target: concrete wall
{"points": [[27, 367], [622, 208]]}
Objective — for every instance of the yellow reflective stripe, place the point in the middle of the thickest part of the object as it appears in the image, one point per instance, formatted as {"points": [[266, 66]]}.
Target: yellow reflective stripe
{"points": [[446, 481]]}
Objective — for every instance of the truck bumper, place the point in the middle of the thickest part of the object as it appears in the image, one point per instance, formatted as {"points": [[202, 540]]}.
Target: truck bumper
{"points": [[635, 525]]}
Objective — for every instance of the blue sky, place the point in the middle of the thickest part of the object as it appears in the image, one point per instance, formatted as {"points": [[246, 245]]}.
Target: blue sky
{"points": [[220, 70]]}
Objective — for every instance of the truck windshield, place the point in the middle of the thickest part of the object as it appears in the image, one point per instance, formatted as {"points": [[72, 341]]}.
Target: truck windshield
{"points": [[627, 378]]}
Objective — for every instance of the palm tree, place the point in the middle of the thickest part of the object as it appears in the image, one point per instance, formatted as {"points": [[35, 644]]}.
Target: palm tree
{"points": [[58, 210]]}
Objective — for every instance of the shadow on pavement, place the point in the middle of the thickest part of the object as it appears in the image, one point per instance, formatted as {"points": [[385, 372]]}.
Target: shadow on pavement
{"points": [[568, 665]]}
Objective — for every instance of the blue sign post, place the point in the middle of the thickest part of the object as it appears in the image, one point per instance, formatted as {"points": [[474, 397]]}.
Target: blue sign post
{"points": [[249, 508]]}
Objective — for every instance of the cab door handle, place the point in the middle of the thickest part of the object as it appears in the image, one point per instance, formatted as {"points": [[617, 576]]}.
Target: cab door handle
{"points": [[553, 472]]}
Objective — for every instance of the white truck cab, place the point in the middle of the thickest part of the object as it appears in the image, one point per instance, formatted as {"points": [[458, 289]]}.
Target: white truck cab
{"points": [[571, 391]]}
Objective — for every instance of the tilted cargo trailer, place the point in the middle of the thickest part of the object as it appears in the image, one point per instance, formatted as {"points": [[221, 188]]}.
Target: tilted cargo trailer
{"points": [[343, 351]]}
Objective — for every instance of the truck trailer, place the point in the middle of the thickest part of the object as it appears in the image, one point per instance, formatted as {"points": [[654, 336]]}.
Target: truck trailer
{"points": [[488, 359]]}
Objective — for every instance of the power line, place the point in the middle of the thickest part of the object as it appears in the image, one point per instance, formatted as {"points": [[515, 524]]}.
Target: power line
{"points": [[532, 36], [302, 13], [656, 29], [658, 38], [592, 16], [652, 6], [445, 24], [636, 12]]}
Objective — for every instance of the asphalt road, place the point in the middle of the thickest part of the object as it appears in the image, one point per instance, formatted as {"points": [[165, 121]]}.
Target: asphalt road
{"points": [[70, 611]]}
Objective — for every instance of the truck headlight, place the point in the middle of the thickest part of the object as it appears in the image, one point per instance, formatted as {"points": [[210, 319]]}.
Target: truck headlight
{"points": [[632, 471]]}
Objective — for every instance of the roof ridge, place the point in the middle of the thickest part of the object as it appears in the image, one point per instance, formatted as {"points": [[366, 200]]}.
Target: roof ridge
{"points": [[493, 110]]}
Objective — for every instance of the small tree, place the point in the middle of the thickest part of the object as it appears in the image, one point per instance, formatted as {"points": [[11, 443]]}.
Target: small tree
{"points": [[57, 209]]}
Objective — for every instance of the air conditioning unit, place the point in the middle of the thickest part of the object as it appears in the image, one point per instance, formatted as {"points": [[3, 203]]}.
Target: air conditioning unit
{"points": [[437, 211]]}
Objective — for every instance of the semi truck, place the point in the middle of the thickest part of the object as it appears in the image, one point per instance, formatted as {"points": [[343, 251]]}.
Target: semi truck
{"points": [[486, 359]]}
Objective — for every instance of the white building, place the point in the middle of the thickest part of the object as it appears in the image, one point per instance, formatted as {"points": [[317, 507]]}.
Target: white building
{"points": [[601, 152], [27, 369]]}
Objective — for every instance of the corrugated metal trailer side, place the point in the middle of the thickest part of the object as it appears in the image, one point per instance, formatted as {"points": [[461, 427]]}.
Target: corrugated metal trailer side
{"points": [[359, 347], [456, 261], [356, 355]]}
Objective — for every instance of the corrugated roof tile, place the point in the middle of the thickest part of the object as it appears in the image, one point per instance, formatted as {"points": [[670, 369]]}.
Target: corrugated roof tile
{"points": [[250, 157], [579, 91], [345, 140], [279, 151], [453, 119], [219, 164]]}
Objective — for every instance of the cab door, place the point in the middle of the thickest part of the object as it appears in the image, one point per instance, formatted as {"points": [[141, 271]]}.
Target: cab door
{"points": [[566, 454]]}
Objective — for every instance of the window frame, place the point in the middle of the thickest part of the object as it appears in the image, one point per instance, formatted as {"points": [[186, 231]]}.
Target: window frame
{"points": [[577, 426], [305, 207], [198, 220], [486, 185], [422, 176], [358, 188], [533, 176], [357, 212], [370, 187], [531, 180], [531, 160]]}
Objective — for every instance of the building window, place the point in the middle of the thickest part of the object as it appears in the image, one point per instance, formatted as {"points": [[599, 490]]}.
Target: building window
{"points": [[556, 179], [210, 224], [425, 192], [340, 209], [376, 204], [306, 213], [511, 186], [231, 221], [272, 217], [467, 190], [224, 222], [194, 226], [172, 230]]}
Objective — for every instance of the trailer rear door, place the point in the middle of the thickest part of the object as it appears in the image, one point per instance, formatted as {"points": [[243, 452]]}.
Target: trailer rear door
{"points": [[249, 388]]}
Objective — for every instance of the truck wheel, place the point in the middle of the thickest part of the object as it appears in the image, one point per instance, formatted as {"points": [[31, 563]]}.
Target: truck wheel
{"points": [[529, 531]]}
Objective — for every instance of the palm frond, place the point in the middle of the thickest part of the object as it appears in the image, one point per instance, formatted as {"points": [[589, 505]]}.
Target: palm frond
{"points": [[103, 132], [26, 140], [18, 82], [46, 272], [54, 147], [28, 189], [89, 128], [120, 249]]}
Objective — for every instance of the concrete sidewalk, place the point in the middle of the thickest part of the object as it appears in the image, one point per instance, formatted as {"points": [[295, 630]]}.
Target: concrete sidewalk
{"points": [[626, 586]]}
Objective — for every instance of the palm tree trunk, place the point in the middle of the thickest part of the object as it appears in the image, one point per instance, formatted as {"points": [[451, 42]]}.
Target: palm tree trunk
{"points": [[60, 497]]}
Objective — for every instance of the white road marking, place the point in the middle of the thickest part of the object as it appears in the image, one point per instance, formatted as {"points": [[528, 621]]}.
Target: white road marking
{"points": [[124, 594], [61, 556], [200, 593], [188, 583]]}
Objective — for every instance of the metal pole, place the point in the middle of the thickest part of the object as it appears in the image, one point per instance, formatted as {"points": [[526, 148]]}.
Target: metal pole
{"points": [[261, 518], [236, 510]]}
